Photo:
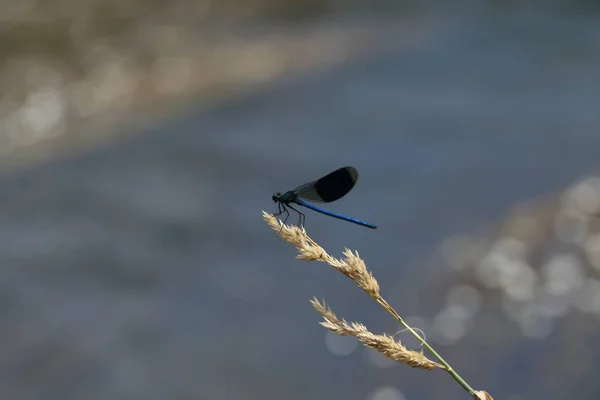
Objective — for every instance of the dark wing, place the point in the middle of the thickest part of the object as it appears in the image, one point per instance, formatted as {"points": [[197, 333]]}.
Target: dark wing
{"points": [[329, 188]]}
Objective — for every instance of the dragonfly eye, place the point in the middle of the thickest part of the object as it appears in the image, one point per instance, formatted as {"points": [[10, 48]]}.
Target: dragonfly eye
{"points": [[276, 197]]}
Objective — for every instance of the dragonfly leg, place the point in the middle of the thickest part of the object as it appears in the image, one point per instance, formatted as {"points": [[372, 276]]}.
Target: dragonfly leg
{"points": [[279, 210], [285, 210], [301, 217]]}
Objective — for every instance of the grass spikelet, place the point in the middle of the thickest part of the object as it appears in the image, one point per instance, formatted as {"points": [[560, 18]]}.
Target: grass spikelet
{"points": [[384, 344], [354, 267], [308, 250]]}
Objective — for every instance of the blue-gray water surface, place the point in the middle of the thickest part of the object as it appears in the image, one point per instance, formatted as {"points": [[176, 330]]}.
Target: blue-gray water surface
{"points": [[143, 270]]}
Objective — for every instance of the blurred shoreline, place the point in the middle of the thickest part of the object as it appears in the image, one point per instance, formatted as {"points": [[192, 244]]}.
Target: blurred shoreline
{"points": [[79, 78], [74, 74]]}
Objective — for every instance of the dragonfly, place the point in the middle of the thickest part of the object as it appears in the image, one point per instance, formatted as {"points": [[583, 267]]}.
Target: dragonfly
{"points": [[327, 189]]}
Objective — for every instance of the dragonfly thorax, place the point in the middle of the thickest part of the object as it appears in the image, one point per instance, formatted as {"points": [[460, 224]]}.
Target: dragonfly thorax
{"points": [[285, 197]]}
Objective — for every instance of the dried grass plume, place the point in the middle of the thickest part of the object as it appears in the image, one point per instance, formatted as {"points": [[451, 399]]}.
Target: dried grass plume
{"points": [[353, 267], [384, 344]]}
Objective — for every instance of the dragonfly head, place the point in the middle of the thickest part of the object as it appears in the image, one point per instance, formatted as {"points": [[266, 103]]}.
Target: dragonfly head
{"points": [[276, 197]]}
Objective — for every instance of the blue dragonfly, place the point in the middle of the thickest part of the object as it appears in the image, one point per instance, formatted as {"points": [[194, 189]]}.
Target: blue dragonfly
{"points": [[327, 189]]}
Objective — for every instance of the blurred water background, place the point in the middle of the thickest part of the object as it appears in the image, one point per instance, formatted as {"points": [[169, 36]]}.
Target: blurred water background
{"points": [[140, 141]]}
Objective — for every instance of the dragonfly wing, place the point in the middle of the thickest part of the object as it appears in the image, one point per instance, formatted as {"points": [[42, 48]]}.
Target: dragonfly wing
{"points": [[331, 187], [308, 191]]}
